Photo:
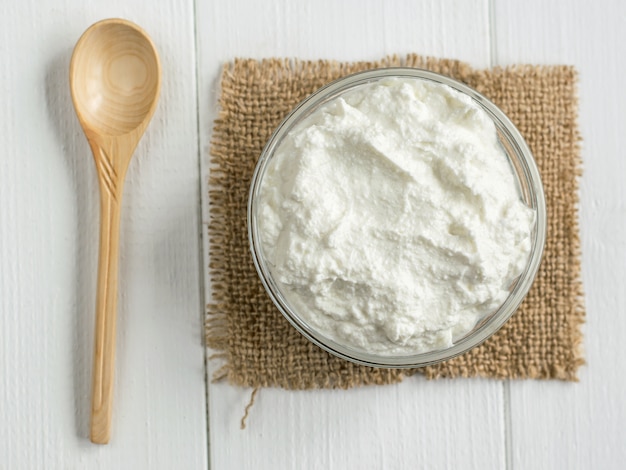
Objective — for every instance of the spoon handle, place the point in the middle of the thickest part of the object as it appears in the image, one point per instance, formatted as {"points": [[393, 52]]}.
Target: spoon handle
{"points": [[106, 301]]}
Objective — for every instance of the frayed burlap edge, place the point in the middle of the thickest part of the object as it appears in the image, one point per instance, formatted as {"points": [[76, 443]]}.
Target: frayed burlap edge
{"points": [[219, 334]]}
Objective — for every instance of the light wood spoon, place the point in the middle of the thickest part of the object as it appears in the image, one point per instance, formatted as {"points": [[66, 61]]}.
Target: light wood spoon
{"points": [[115, 79]]}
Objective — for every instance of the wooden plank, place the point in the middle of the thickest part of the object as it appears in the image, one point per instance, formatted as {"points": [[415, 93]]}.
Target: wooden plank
{"points": [[48, 253], [416, 424], [582, 425], [446, 424]]}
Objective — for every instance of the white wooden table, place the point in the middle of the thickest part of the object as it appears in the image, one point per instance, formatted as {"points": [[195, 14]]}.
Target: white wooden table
{"points": [[166, 414]]}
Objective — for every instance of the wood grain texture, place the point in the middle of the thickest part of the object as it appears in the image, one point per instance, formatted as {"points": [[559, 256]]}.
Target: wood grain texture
{"points": [[115, 80], [48, 252], [446, 424], [417, 424], [581, 426]]}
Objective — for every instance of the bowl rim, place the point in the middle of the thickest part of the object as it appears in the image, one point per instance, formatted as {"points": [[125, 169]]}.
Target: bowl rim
{"points": [[536, 197]]}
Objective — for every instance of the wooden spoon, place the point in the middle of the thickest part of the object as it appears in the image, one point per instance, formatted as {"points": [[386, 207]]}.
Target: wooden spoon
{"points": [[115, 79]]}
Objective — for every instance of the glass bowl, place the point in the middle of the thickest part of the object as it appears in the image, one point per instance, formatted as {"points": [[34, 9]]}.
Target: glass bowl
{"points": [[530, 188]]}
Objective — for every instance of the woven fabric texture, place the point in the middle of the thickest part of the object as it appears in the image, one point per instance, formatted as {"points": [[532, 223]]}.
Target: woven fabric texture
{"points": [[259, 348]]}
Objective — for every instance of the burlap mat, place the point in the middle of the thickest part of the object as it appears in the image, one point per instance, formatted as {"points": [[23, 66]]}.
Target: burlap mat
{"points": [[261, 349]]}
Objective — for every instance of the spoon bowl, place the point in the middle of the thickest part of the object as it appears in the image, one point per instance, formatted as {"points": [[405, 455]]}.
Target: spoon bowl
{"points": [[114, 77], [115, 80]]}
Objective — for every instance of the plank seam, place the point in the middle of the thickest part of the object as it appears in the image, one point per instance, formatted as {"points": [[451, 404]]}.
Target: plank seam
{"points": [[202, 231], [508, 427], [506, 385], [493, 48]]}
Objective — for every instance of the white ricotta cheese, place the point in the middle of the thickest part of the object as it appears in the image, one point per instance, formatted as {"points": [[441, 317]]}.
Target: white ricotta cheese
{"points": [[391, 218]]}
